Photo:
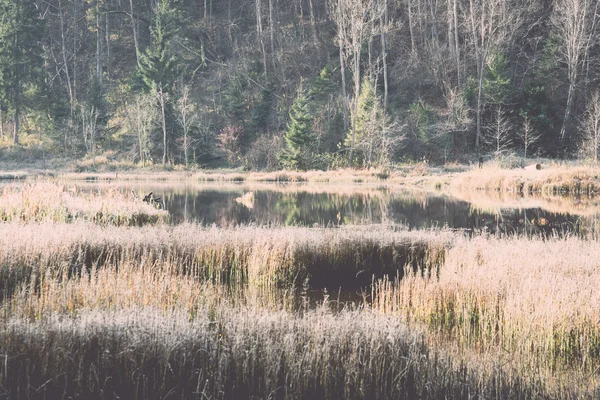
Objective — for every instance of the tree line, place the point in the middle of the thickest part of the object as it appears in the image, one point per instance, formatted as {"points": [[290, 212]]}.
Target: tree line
{"points": [[300, 84]]}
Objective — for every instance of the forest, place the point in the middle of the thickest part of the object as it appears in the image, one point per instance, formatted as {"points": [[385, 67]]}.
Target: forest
{"points": [[298, 84]]}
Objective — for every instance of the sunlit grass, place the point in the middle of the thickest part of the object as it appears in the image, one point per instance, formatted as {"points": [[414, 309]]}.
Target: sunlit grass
{"points": [[276, 257], [552, 180], [90, 306], [534, 300], [53, 202]]}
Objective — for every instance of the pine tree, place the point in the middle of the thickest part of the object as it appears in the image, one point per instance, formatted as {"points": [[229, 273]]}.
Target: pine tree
{"points": [[299, 136], [158, 65], [21, 63]]}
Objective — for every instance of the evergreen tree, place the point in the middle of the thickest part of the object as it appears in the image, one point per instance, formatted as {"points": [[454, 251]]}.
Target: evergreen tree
{"points": [[497, 80], [322, 85], [158, 65], [299, 135], [369, 129], [21, 63]]}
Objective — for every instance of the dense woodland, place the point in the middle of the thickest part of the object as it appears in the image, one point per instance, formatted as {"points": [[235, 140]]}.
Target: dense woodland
{"points": [[299, 84]]}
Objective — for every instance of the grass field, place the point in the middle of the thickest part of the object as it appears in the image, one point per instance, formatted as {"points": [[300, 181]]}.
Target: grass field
{"points": [[96, 309]]}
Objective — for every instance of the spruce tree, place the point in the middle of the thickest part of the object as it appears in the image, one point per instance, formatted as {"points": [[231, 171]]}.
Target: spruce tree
{"points": [[299, 136], [21, 62], [368, 128], [158, 65]]}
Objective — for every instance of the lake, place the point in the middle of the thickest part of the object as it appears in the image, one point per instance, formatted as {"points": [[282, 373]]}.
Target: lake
{"points": [[324, 205]]}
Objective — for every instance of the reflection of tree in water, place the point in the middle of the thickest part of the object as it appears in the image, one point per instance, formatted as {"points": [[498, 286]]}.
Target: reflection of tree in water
{"points": [[328, 208], [416, 209]]}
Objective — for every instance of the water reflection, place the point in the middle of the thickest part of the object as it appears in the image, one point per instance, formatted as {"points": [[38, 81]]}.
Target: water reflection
{"points": [[230, 205]]}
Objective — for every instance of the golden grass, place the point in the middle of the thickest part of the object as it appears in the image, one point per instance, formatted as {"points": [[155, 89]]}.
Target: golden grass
{"points": [[275, 257], [535, 300], [552, 180], [231, 352], [146, 312], [53, 202], [342, 176]]}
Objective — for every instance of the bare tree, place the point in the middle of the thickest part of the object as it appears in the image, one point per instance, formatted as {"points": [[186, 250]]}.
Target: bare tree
{"points": [[162, 98], [186, 118], [528, 136], [575, 21], [590, 127], [354, 19], [89, 122], [498, 131], [491, 24], [141, 119]]}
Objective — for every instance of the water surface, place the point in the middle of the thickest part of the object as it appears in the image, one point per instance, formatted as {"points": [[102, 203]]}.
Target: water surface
{"points": [[307, 205]]}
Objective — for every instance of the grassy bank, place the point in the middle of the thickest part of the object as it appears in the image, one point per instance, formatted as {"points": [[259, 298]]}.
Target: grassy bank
{"points": [[52, 202], [549, 180], [158, 311], [234, 353], [533, 301], [278, 257]]}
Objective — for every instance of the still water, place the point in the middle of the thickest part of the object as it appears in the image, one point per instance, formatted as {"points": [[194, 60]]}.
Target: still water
{"points": [[306, 205]]}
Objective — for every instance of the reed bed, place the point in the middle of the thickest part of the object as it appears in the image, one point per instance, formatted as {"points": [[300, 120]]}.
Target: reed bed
{"points": [[534, 300], [186, 311], [340, 176], [237, 352], [559, 180], [53, 202], [278, 257]]}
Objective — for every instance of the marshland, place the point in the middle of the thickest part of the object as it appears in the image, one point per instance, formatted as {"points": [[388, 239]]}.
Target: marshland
{"points": [[368, 290], [337, 199]]}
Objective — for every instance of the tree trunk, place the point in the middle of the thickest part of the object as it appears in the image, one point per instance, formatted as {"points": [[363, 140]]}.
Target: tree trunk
{"points": [[563, 129], [135, 34], [99, 40], [1, 125], [410, 26], [356, 74], [479, 101], [272, 32], [456, 43], [434, 30], [161, 98], [107, 16], [259, 33], [343, 72], [384, 25], [17, 117], [313, 23], [64, 54]]}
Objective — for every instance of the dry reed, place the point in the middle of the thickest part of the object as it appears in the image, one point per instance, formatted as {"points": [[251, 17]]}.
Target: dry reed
{"points": [[559, 180], [53, 202], [236, 352], [260, 256], [535, 299]]}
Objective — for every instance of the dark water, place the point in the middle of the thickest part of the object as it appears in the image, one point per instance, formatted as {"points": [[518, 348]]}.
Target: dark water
{"points": [[232, 205]]}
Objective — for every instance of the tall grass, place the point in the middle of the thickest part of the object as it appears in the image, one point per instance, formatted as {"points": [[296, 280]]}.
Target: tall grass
{"points": [[532, 299], [232, 353], [53, 202], [559, 180], [278, 257], [95, 311]]}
